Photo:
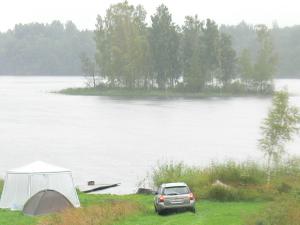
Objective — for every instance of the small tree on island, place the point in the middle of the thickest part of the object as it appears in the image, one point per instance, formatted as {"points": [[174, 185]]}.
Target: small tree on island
{"points": [[88, 67], [278, 129]]}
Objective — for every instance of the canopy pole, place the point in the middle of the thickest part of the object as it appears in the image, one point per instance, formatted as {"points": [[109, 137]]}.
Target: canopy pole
{"points": [[75, 192], [4, 189], [29, 186]]}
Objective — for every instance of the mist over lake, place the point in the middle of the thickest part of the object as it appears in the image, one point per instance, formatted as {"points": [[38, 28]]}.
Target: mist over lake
{"points": [[110, 139]]}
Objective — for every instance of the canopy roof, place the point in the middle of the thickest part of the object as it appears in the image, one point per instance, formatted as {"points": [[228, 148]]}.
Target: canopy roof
{"points": [[39, 167]]}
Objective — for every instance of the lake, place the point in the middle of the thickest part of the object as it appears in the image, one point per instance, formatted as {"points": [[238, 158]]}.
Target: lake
{"points": [[109, 139]]}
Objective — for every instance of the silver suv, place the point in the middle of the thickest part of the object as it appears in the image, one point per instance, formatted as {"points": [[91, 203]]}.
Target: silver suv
{"points": [[174, 196]]}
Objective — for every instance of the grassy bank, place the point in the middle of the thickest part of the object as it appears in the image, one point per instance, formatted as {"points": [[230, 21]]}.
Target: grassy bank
{"points": [[137, 210], [245, 200], [245, 181], [171, 93]]}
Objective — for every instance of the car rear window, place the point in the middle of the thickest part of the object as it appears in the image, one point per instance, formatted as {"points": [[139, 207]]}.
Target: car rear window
{"points": [[176, 190]]}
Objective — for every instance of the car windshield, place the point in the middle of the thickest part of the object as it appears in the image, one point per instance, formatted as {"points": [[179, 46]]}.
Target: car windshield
{"points": [[176, 190]]}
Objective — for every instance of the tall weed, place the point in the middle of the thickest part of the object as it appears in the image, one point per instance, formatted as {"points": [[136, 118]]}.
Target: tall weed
{"points": [[105, 214]]}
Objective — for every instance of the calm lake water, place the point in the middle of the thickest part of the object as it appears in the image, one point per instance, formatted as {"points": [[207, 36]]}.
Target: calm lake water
{"points": [[119, 140]]}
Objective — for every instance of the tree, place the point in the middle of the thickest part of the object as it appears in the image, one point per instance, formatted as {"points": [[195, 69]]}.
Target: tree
{"points": [[266, 61], [164, 45], [211, 42], [246, 67], [122, 45], [285, 39], [192, 53], [278, 129], [89, 70], [227, 60], [44, 49]]}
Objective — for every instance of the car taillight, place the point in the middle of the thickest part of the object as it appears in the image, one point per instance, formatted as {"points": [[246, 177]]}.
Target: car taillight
{"points": [[161, 198], [192, 196]]}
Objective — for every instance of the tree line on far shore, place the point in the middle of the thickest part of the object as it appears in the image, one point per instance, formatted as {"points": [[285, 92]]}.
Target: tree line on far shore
{"points": [[55, 48], [44, 49], [195, 57]]}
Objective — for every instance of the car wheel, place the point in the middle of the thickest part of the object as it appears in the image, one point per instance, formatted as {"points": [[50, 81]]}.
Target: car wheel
{"points": [[159, 212], [193, 210]]}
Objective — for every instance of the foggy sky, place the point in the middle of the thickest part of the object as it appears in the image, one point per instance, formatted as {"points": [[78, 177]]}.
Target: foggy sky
{"points": [[83, 12]]}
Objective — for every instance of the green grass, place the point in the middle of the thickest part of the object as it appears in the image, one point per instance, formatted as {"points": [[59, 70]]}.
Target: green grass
{"points": [[8, 217], [208, 212]]}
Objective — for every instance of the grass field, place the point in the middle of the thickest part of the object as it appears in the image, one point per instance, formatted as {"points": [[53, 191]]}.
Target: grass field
{"points": [[208, 212]]}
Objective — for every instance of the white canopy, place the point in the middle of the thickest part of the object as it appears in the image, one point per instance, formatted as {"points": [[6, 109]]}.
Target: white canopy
{"points": [[22, 183], [39, 167]]}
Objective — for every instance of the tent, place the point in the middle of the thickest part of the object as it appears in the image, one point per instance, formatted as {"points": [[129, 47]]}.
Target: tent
{"points": [[45, 202], [24, 182]]}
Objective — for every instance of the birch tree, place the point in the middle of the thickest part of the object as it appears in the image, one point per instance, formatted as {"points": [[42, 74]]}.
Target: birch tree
{"points": [[278, 129]]}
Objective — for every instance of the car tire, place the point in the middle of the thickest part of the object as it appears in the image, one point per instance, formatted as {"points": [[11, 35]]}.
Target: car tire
{"points": [[193, 210], [159, 212]]}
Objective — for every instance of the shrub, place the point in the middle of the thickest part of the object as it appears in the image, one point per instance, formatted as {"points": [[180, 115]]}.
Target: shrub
{"points": [[168, 173], [223, 194], [106, 214], [220, 193], [228, 172], [231, 172], [284, 188], [201, 179], [196, 178], [248, 179]]}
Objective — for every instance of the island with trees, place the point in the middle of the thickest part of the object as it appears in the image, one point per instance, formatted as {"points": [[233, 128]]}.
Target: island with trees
{"points": [[164, 59]]}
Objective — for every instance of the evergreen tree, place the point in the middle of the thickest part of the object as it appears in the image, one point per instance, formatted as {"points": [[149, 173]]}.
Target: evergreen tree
{"points": [[192, 54], [227, 60], [211, 42], [164, 44], [246, 67], [266, 61]]}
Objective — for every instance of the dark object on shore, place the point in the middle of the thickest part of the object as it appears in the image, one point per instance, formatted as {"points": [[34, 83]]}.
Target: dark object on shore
{"points": [[145, 191], [97, 187], [90, 183], [46, 202]]}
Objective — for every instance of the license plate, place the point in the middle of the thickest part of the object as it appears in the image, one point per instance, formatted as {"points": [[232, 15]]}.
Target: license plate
{"points": [[177, 201]]}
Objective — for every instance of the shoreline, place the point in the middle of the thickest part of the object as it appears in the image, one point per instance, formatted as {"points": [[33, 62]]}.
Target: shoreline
{"points": [[154, 93]]}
